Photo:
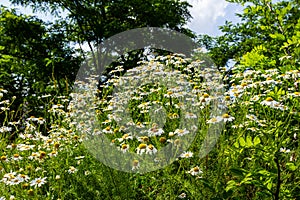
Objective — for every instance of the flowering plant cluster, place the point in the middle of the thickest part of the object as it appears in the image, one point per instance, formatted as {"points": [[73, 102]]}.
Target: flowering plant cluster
{"points": [[256, 154]]}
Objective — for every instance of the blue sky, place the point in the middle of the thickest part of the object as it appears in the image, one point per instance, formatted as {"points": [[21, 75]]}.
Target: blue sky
{"points": [[207, 15]]}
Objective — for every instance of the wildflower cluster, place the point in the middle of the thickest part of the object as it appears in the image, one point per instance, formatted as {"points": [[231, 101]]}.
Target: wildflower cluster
{"points": [[155, 105]]}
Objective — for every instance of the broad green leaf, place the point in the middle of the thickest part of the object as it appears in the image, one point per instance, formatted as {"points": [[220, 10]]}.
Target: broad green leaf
{"points": [[269, 185], [236, 144], [277, 36], [7, 57], [242, 141], [249, 141], [256, 140]]}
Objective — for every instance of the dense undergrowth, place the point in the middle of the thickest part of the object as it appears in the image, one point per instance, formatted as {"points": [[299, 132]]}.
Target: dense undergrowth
{"points": [[256, 155]]}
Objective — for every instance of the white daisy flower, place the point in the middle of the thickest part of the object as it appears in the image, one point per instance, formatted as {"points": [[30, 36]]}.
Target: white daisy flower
{"points": [[124, 147], [227, 118], [186, 154], [195, 171], [182, 196], [151, 149], [181, 132], [154, 131], [38, 182], [284, 150], [135, 165], [72, 170], [141, 148], [269, 102], [214, 120]]}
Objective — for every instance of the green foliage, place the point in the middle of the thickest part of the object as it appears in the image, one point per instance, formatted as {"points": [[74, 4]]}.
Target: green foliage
{"points": [[36, 58], [266, 37], [256, 156], [33, 60], [94, 21]]}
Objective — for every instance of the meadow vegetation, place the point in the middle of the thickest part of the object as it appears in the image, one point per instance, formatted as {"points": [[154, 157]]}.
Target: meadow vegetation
{"points": [[49, 150]]}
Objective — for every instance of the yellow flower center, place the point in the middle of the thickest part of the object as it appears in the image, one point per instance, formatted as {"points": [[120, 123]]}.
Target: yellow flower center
{"points": [[76, 137], [3, 158], [162, 140], [42, 154], [150, 146], [125, 136], [135, 163], [116, 130], [175, 115], [227, 98], [49, 141], [30, 192], [225, 116], [205, 95], [196, 169], [145, 138], [56, 145], [269, 99], [124, 146], [142, 146]]}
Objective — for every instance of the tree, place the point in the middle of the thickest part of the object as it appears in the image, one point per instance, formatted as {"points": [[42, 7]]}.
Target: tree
{"points": [[33, 60], [92, 22], [267, 36]]}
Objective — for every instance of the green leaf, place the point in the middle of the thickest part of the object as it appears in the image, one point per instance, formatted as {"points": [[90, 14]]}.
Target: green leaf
{"points": [[256, 140], [6, 57], [291, 166], [269, 185], [264, 172], [277, 36], [238, 171], [242, 141], [236, 145], [249, 141], [247, 180], [230, 185]]}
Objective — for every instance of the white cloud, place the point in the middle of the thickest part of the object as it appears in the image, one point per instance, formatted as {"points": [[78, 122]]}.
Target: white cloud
{"points": [[205, 14]]}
